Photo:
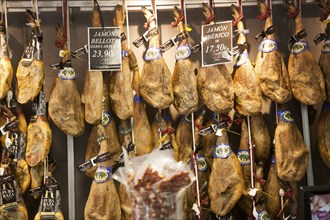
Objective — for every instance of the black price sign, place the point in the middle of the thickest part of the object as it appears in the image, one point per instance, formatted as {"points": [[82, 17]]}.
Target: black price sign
{"points": [[104, 49], [217, 43]]}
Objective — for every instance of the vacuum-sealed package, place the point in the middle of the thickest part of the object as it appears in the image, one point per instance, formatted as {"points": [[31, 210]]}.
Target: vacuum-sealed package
{"points": [[156, 183]]}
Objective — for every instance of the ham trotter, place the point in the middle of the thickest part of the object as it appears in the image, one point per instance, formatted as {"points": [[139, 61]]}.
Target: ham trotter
{"points": [[248, 96], [30, 71], [214, 82], [65, 107], [156, 80], [270, 67], [120, 90], [184, 79], [92, 93], [290, 150], [307, 82]]}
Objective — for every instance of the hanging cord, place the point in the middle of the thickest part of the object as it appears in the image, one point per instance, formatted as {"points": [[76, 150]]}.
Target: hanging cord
{"points": [[251, 159], [195, 162], [64, 18], [240, 17], [127, 28], [154, 11], [212, 13], [181, 16]]}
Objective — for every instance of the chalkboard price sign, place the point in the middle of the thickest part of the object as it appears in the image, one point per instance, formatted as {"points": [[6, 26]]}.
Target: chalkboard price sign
{"points": [[217, 43], [104, 49]]}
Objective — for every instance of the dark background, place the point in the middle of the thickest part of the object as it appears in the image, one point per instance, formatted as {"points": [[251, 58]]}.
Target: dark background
{"points": [[81, 19]]}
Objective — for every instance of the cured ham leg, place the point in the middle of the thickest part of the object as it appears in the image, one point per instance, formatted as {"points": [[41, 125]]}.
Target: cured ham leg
{"points": [[156, 80], [214, 83], [109, 124], [65, 107], [270, 67], [30, 71], [93, 88], [323, 134], [120, 90], [103, 200], [184, 79], [225, 192], [260, 138], [290, 150], [248, 96], [324, 62], [6, 69], [209, 141], [307, 82], [144, 141]]}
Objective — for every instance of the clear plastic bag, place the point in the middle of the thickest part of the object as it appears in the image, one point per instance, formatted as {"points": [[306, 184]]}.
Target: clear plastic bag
{"points": [[156, 183]]}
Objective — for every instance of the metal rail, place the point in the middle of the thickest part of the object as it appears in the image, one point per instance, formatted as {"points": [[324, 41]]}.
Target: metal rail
{"points": [[19, 6]]}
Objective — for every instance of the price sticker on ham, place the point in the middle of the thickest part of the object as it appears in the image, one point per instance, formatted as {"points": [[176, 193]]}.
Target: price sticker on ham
{"points": [[217, 43], [104, 49]]}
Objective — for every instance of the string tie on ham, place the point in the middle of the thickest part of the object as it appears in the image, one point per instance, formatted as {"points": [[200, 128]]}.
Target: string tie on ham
{"points": [[259, 179], [178, 20], [294, 14], [147, 24], [167, 131], [265, 15], [238, 19], [209, 19]]}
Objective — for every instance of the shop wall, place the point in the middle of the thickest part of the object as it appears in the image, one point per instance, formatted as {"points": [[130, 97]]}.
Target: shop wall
{"points": [[80, 20]]}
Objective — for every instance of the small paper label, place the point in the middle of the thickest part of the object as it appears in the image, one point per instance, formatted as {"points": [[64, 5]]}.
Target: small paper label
{"points": [[8, 193], [267, 46], [166, 146], [106, 118], [153, 53], [182, 52], [243, 157], [201, 164], [286, 116], [241, 59], [67, 73], [222, 151], [102, 174], [299, 47], [326, 47], [326, 106], [263, 216]]}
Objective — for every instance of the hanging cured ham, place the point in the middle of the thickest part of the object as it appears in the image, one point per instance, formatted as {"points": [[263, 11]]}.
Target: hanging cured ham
{"points": [[214, 82], [307, 82], [248, 96], [270, 67], [120, 90], [184, 78], [103, 200], [260, 138], [65, 107], [323, 134], [156, 80], [290, 150], [273, 186], [324, 62], [6, 69], [92, 93], [209, 140], [30, 71], [39, 135], [109, 125], [225, 192], [184, 137]]}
